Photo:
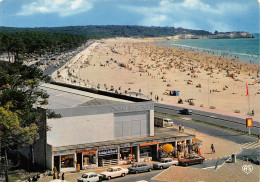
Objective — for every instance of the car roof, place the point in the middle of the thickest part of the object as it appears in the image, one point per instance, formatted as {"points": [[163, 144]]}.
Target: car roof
{"points": [[89, 173], [115, 167]]}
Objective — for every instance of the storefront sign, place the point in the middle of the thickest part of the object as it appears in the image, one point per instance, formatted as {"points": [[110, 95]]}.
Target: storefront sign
{"points": [[125, 145], [107, 152], [128, 149], [129, 108], [147, 144], [91, 150]]}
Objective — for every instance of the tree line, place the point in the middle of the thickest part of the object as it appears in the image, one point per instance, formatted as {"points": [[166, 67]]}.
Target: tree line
{"points": [[112, 30], [26, 44]]}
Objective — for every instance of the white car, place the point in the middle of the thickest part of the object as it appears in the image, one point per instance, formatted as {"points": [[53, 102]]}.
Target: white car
{"points": [[165, 163], [114, 172], [90, 176]]}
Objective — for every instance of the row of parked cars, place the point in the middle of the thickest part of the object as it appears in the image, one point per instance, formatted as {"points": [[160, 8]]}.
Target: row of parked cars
{"points": [[138, 167]]}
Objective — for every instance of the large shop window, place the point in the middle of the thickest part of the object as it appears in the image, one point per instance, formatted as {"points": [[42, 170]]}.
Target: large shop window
{"points": [[89, 158], [145, 151], [67, 161]]}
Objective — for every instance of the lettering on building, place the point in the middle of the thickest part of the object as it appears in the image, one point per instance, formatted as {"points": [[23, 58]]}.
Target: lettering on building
{"points": [[128, 108]]}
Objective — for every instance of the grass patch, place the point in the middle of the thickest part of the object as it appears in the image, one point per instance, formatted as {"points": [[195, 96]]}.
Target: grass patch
{"points": [[13, 177], [209, 124]]}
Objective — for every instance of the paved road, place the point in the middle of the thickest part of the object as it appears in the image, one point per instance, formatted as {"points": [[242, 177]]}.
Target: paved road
{"points": [[212, 118], [211, 164], [217, 132], [138, 177]]}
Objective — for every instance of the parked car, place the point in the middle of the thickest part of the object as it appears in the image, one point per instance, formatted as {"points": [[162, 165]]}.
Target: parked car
{"points": [[186, 111], [140, 167], [254, 161], [191, 159], [90, 176], [165, 163], [113, 172]]}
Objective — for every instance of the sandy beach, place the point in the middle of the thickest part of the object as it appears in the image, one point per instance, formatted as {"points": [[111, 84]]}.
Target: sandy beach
{"points": [[132, 66]]}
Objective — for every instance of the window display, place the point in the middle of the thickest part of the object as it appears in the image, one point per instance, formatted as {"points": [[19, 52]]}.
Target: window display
{"points": [[67, 161], [145, 151]]}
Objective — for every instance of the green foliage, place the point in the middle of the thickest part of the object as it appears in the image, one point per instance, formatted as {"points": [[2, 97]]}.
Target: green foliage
{"points": [[26, 44], [19, 92], [12, 134], [101, 31]]}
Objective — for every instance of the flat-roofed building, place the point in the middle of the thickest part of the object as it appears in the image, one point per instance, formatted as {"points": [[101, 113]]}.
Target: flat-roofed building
{"points": [[96, 130]]}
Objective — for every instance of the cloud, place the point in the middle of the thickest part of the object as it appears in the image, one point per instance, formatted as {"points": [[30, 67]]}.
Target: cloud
{"points": [[61, 7], [193, 14]]}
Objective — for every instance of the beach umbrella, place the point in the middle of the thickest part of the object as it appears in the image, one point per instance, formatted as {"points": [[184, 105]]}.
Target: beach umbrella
{"points": [[167, 148]]}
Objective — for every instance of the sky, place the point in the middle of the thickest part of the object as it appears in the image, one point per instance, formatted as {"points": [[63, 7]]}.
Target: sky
{"points": [[210, 15]]}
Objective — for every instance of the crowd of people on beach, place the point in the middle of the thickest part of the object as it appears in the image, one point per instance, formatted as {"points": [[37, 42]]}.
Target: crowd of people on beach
{"points": [[164, 68]]}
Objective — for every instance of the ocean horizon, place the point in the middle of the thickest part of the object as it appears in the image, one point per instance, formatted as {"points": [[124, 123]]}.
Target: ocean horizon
{"points": [[243, 49]]}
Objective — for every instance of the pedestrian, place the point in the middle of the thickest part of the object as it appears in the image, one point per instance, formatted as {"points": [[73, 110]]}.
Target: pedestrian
{"points": [[58, 175], [185, 154], [212, 149]]}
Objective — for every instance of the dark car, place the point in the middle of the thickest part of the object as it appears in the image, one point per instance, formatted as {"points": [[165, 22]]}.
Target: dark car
{"points": [[254, 161], [140, 167], [186, 111], [191, 159]]}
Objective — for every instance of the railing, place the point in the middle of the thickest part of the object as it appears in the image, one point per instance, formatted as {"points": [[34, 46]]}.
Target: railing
{"points": [[109, 162]]}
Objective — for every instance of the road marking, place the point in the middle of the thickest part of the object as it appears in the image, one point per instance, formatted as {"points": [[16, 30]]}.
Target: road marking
{"points": [[250, 145], [211, 167]]}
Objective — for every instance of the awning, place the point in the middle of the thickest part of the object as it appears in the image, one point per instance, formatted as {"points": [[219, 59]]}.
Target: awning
{"points": [[147, 144]]}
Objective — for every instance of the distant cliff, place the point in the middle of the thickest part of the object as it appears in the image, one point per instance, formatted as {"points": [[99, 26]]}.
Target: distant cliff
{"points": [[228, 35]]}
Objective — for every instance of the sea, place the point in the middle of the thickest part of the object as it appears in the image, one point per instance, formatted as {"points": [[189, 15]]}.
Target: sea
{"points": [[244, 49]]}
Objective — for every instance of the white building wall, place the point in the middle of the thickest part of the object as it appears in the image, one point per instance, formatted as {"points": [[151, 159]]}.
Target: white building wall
{"points": [[80, 129]]}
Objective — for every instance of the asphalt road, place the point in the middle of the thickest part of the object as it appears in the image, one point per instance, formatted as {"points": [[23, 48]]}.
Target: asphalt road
{"points": [[210, 164], [138, 177], [212, 118]]}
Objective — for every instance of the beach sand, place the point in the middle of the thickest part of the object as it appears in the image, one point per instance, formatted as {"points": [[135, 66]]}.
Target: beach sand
{"points": [[130, 65]]}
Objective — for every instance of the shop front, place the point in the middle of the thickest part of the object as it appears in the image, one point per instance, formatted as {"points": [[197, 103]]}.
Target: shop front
{"points": [[148, 151], [170, 151], [87, 158], [64, 163], [107, 157], [128, 155]]}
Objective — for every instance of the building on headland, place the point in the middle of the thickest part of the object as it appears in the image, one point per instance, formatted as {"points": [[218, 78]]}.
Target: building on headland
{"points": [[97, 130]]}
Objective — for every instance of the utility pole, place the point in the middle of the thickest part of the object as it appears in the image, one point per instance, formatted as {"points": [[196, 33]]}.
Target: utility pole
{"points": [[208, 92]]}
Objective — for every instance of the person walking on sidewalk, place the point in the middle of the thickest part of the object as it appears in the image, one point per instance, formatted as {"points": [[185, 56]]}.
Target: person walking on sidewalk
{"points": [[212, 149]]}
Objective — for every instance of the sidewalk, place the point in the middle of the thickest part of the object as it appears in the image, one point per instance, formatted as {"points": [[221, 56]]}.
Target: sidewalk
{"points": [[229, 172], [223, 148]]}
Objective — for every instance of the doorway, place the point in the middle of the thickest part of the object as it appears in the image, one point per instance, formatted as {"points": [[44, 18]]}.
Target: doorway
{"points": [[79, 160], [57, 162]]}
